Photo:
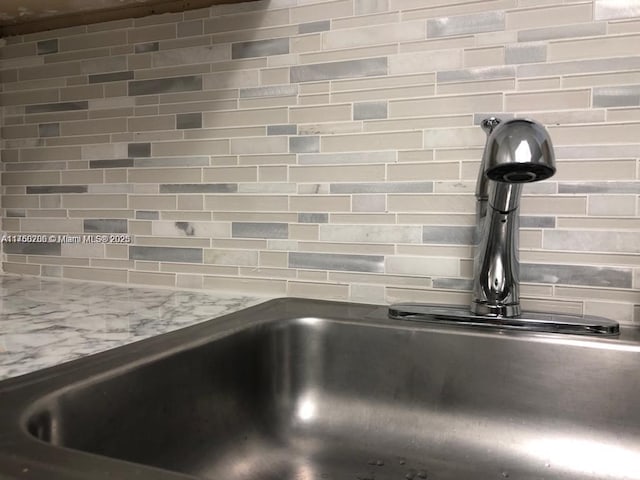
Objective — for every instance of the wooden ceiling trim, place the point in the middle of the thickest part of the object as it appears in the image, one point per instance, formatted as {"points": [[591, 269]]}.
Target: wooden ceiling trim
{"points": [[107, 15]]}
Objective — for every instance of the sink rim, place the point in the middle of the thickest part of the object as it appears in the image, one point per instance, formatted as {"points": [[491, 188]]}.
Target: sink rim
{"points": [[41, 385]]}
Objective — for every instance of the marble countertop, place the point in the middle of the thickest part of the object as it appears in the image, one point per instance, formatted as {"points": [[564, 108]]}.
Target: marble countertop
{"points": [[44, 322]]}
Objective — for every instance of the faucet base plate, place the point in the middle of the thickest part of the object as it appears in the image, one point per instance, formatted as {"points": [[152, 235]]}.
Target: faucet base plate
{"points": [[527, 321]]}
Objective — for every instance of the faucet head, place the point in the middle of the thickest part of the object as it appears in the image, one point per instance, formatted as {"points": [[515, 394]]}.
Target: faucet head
{"points": [[519, 151]]}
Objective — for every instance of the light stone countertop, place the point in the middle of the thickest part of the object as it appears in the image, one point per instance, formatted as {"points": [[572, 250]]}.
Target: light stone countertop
{"points": [[45, 322]]}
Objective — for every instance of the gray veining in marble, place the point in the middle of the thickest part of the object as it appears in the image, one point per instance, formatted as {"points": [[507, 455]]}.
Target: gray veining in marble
{"points": [[44, 322]]}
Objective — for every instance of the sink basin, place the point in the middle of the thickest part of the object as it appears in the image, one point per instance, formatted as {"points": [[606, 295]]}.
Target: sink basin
{"points": [[313, 390]]}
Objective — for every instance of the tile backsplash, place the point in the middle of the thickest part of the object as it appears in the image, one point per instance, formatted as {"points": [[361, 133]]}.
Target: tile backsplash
{"points": [[325, 148]]}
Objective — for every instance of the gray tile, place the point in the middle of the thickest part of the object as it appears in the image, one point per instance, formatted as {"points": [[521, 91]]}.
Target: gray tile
{"points": [[600, 187], [24, 166], [139, 149], [579, 66], [453, 284], [366, 7], [111, 163], [105, 225], [606, 9], [45, 189], [565, 31], [448, 235], [532, 221], [57, 107], [45, 47], [165, 85], [369, 110], [622, 96], [166, 254], [309, 144], [260, 48], [312, 27], [111, 77], [199, 188], [270, 91], [147, 215], [388, 187], [171, 162], [478, 73], [346, 69], [16, 212], [576, 275], [313, 217], [334, 261], [49, 130], [591, 241], [259, 230], [147, 47], [526, 53], [465, 24], [598, 151], [188, 120], [345, 158], [282, 129], [32, 248], [8, 76]]}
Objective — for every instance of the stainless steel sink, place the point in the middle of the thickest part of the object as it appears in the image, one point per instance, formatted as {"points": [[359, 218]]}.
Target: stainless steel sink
{"points": [[312, 390]]}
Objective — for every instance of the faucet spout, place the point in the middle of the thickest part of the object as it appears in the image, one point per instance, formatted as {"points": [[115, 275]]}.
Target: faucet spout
{"points": [[517, 151]]}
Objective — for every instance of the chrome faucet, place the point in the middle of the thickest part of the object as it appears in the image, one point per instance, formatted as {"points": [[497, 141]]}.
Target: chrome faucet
{"points": [[517, 151]]}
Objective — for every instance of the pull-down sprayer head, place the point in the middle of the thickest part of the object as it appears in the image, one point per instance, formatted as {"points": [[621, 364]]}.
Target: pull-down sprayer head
{"points": [[518, 151]]}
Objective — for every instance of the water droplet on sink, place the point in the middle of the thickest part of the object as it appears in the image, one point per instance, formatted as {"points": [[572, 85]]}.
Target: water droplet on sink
{"points": [[410, 475], [505, 474], [422, 474], [371, 462], [402, 461], [379, 463]]}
